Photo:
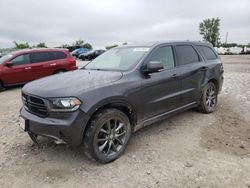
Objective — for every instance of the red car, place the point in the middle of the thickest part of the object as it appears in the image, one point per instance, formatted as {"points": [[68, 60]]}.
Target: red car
{"points": [[25, 65]]}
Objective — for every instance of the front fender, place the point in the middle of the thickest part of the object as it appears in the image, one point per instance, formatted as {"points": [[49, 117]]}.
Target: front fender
{"points": [[111, 101]]}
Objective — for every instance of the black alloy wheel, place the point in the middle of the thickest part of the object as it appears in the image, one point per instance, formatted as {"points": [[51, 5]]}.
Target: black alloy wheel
{"points": [[108, 135], [209, 98]]}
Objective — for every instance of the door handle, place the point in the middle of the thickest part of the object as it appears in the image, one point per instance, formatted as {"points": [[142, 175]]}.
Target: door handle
{"points": [[53, 64], [27, 68], [204, 68], [174, 76]]}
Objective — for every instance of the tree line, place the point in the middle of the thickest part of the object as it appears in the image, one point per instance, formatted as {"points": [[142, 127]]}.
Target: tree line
{"points": [[25, 45], [210, 31], [78, 43]]}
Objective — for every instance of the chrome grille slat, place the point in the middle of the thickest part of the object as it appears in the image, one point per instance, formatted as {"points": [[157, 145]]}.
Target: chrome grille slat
{"points": [[34, 105]]}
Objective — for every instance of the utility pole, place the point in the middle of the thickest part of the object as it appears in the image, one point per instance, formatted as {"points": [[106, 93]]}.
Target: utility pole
{"points": [[226, 38]]}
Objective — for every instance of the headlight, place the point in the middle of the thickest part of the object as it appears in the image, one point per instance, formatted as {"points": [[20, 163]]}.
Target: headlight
{"points": [[65, 104]]}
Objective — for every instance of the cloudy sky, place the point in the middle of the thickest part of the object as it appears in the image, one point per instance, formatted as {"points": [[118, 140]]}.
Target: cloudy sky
{"points": [[105, 22]]}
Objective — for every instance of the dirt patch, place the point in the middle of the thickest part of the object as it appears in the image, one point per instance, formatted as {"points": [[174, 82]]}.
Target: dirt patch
{"points": [[230, 133]]}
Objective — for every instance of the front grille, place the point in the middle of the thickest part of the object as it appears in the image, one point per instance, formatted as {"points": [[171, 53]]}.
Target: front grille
{"points": [[34, 104]]}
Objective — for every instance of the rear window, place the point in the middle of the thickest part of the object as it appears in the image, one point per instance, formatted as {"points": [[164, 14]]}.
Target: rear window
{"points": [[57, 55], [207, 52], [186, 54]]}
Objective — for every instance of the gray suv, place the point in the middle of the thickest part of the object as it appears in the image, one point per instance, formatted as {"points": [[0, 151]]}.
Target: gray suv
{"points": [[119, 92]]}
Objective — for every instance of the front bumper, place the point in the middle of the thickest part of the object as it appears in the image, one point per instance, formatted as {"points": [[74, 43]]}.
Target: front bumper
{"points": [[68, 127]]}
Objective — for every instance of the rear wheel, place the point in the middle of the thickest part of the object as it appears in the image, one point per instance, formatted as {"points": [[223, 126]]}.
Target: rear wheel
{"points": [[60, 71], [107, 135], [1, 86], [209, 98]]}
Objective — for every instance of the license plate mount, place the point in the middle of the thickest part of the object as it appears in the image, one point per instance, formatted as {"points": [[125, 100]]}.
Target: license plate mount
{"points": [[23, 123]]}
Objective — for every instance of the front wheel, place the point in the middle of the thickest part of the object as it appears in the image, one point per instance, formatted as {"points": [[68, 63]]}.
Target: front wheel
{"points": [[33, 137], [209, 98], [108, 135]]}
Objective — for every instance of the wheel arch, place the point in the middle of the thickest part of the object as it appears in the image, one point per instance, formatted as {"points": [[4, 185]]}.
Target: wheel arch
{"points": [[121, 105], [215, 82], [61, 69], [1, 82]]}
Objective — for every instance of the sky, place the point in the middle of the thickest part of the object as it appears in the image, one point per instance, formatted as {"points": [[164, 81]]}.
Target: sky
{"points": [[108, 22]]}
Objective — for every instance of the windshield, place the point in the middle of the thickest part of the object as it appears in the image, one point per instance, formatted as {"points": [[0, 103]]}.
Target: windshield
{"points": [[74, 51], [5, 57], [120, 59]]}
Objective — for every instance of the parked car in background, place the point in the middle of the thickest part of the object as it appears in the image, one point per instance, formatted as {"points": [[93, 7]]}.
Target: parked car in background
{"points": [[23, 66], [91, 54], [121, 91], [79, 51]]}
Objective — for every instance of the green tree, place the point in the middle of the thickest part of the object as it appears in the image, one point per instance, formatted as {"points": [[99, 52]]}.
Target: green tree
{"points": [[229, 45], [79, 42], [21, 45], [88, 46], [41, 45], [112, 46], [65, 45], [209, 29]]}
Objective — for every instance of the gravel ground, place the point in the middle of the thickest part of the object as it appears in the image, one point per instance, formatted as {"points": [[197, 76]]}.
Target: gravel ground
{"points": [[188, 150]]}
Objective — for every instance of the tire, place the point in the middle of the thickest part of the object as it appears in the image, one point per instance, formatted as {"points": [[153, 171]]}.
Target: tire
{"points": [[1, 87], [209, 98], [107, 135], [60, 71], [33, 137]]}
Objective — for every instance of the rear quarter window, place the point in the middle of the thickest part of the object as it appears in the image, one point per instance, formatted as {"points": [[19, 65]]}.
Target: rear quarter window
{"points": [[207, 52], [57, 55], [186, 54]]}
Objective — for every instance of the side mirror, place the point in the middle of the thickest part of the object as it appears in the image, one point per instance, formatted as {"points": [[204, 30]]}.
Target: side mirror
{"points": [[153, 66], [9, 64]]}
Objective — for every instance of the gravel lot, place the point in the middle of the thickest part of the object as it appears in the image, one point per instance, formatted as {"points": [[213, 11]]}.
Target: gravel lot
{"points": [[187, 150]]}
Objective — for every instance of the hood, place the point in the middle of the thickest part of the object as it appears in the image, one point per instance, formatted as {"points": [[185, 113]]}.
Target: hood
{"points": [[70, 83], [2, 67]]}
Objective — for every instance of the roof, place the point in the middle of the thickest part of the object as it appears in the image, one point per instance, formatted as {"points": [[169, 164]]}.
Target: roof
{"points": [[155, 43], [37, 50]]}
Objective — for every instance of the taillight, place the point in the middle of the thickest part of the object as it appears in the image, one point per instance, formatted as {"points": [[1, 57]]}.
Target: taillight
{"points": [[72, 61]]}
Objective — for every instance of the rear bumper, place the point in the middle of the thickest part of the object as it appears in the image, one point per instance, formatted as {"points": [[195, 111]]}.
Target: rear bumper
{"points": [[221, 80], [68, 127], [73, 68]]}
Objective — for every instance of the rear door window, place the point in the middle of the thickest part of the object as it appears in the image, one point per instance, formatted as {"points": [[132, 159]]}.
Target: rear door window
{"points": [[37, 57], [186, 54], [21, 60], [207, 52], [165, 56]]}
